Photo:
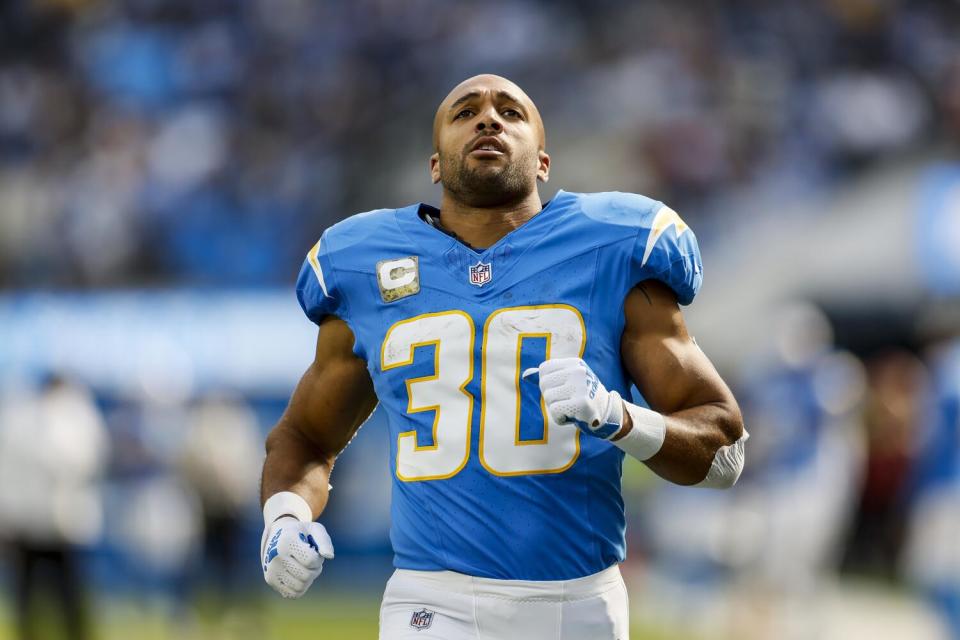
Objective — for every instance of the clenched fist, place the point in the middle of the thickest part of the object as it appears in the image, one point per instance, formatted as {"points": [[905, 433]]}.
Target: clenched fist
{"points": [[293, 548], [572, 392]]}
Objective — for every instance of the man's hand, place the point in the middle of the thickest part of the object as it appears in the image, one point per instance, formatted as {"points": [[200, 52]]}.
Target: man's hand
{"points": [[292, 554], [573, 393]]}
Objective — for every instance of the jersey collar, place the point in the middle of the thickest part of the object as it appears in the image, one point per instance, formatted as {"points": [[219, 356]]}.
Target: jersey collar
{"points": [[456, 257]]}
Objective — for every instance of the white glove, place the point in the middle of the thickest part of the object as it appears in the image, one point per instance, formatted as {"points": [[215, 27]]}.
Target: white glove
{"points": [[292, 553], [573, 393]]}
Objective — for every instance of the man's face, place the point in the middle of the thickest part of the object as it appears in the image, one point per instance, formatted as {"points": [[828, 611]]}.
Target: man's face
{"points": [[489, 141]]}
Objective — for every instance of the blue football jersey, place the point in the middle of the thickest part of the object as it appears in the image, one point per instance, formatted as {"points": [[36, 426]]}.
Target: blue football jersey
{"points": [[484, 482]]}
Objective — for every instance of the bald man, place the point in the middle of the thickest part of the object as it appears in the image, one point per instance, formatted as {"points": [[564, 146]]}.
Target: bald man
{"points": [[501, 337]]}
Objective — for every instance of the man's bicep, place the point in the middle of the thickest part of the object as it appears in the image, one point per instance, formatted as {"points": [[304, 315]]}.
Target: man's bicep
{"points": [[663, 360], [335, 395]]}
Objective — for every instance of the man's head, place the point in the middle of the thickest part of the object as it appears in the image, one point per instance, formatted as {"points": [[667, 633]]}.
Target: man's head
{"points": [[488, 142]]}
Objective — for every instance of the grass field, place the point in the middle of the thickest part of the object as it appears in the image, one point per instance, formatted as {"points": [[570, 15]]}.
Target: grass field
{"points": [[854, 610], [353, 618]]}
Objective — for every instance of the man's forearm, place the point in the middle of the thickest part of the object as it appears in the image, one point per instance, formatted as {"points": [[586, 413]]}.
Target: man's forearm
{"points": [[294, 464], [692, 439]]}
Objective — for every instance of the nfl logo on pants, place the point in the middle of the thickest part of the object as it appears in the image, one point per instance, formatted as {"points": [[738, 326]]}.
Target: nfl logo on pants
{"points": [[421, 619], [481, 273]]}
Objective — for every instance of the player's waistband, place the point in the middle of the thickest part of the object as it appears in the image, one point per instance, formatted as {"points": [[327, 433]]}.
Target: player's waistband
{"points": [[540, 590]]}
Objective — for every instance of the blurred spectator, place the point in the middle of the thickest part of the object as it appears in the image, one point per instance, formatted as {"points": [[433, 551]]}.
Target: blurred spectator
{"points": [[804, 400], [156, 515], [53, 449], [223, 448], [898, 388]]}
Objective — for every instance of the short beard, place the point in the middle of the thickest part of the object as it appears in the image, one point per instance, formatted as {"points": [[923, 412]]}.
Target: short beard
{"points": [[485, 187]]}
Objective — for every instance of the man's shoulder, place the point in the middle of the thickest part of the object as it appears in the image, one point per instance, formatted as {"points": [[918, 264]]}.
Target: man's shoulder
{"points": [[617, 208], [658, 242], [359, 228], [348, 246]]}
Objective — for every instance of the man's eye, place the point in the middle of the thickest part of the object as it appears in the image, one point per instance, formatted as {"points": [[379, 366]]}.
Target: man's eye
{"points": [[513, 113], [463, 114]]}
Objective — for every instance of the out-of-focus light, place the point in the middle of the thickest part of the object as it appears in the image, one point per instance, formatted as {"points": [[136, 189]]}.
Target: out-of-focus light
{"points": [[802, 333], [839, 382]]}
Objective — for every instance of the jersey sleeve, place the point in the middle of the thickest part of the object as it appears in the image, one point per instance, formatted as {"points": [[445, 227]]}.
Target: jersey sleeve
{"points": [[317, 289], [666, 249]]}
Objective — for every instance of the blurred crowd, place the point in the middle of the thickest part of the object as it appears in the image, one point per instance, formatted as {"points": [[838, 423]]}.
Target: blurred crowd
{"points": [[154, 501], [209, 143]]}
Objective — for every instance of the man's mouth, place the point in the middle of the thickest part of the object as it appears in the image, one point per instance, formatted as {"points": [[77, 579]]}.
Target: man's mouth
{"points": [[487, 147]]}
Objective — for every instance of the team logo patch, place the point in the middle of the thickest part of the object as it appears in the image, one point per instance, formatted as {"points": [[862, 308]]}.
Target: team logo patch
{"points": [[481, 273], [421, 619], [398, 278]]}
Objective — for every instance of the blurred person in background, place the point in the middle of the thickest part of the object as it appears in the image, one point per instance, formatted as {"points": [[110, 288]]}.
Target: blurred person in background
{"points": [[896, 410], [787, 530], [157, 513], [223, 442], [53, 450]]}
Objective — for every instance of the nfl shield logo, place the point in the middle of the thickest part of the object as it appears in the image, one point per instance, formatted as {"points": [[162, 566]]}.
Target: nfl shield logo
{"points": [[480, 274], [421, 619]]}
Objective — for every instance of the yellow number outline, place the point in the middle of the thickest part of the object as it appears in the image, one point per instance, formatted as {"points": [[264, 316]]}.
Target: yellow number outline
{"points": [[483, 392], [436, 375], [516, 385]]}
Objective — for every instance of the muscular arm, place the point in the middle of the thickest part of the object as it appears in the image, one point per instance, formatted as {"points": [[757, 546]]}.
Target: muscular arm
{"points": [[331, 401], [679, 381]]}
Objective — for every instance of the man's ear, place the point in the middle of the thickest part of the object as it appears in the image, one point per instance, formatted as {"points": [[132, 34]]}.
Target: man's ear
{"points": [[435, 168], [543, 166]]}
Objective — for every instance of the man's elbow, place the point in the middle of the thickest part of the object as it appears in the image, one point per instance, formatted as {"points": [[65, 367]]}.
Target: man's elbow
{"points": [[731, 425]]}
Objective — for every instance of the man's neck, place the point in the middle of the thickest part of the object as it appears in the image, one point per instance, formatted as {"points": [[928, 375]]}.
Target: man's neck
{"points": [[484, 226]]}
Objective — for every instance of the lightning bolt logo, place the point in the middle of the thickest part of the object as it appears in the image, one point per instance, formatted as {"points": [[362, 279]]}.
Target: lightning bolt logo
{"points": [[664, 218], [314, 259]]}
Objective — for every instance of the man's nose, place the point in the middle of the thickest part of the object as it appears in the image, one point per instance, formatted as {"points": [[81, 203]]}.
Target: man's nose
{"points": [[489, 121]]}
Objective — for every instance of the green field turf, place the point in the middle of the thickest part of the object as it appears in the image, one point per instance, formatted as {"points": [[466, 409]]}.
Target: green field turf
{"points": [[353, 618]]}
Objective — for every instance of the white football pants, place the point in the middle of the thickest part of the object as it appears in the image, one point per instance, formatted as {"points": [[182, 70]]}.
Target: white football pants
{"points": [[443, 605]]}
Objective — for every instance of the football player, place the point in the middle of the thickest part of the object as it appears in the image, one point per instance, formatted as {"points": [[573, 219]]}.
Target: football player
{"points": [[501, 337]]}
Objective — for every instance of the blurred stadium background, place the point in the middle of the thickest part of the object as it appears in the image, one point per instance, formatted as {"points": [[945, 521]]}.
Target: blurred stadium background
{"points": [[165, 164]]}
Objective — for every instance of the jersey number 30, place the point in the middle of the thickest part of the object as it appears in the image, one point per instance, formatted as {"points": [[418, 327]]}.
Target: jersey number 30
{"points": [[453, 336]]}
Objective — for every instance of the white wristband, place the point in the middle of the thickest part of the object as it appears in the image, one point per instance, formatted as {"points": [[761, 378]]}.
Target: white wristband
{"points": [[286, 503], [647, 434]]}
